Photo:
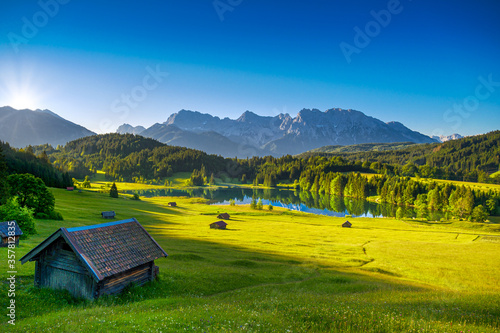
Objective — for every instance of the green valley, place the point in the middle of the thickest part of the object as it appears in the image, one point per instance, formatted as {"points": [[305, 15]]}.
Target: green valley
{"points": [[277, 271]]}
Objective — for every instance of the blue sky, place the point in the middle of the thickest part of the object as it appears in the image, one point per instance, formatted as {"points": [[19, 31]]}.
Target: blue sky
{"points": [[431, 65]]}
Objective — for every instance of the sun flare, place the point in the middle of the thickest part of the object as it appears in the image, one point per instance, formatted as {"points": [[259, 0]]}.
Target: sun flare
{"points": [[19, 88], [23, 100]]}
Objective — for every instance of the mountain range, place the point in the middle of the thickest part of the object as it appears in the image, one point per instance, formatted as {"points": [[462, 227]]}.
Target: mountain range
{"points": [[249, 135], [21, 128], [444, 138], [252, 134]]}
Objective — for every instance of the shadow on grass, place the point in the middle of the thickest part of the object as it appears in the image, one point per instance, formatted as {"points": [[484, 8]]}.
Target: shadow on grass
{"points": [[217, 269]]}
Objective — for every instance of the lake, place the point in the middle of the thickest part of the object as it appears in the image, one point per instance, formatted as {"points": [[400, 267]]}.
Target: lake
{"points": [[303, 201]]}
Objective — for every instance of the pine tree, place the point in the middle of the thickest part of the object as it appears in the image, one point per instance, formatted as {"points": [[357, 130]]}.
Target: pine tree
{"points": [[253, 204], [113, 192], [399, 213], [259, 204]]}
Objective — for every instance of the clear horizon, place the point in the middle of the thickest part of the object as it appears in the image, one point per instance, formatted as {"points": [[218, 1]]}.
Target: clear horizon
{"points": [[431, 66]]}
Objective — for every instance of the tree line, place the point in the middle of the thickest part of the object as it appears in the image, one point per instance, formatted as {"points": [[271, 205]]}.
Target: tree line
{"points": [[134, 158], [36, 163], [468, 159]]}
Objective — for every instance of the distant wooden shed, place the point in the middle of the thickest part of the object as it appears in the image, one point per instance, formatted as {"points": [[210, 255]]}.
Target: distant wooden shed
{"points": [[10, 231], [218, 225], [346, 224], [70, 188], [109, 214], [96, 260], [224, 216], [172, 204]]}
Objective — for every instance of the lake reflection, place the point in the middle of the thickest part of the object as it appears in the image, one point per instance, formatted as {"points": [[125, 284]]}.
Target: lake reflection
{"points": [[303, 201]]}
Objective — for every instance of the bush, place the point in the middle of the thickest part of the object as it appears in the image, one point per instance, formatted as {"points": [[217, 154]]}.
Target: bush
{"points": [[479, 214], [41, 216], [53, 215], [270, 207], [22, 215], [135, 196]]}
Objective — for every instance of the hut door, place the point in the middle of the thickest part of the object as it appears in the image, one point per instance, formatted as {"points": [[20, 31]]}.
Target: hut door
{"points": [[79, 285]]}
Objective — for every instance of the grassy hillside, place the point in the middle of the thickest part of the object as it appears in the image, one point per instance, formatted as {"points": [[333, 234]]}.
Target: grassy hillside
{"points": [[362, 147], [277, 271]]}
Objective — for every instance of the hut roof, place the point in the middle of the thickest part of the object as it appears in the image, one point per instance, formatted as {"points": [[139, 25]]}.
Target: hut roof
{"points": [[4, 229], [224, 216], [108, 248], [220, 223], [346, 224], [108, 213]]}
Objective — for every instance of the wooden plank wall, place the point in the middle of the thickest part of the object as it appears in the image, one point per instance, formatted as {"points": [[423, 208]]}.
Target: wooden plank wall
{"points": [[138, 275], [59, 268]]}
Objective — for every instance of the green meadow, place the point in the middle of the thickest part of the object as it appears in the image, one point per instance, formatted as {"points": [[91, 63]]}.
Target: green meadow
{"points": [[274, 271]]}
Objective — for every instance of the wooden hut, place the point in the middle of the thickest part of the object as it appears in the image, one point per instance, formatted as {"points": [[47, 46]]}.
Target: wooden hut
{"points": [[346, 224], [10, 233], [109, 214], [70, 188], [218, 225], [172, 204], [95, 260], [224, 216]]}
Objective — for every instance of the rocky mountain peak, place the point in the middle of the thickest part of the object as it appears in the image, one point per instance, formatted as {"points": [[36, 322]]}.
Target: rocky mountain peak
{"points": [[249, 116], [283, 134]]}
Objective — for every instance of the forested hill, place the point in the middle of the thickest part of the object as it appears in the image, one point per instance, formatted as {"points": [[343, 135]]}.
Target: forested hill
{"points": [[25, 161], [479, 153], [110, 145], [132, 157]]}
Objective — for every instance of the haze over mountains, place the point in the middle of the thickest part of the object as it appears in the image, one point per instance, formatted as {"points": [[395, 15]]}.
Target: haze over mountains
{"points": [[21, 128], [252, 134], [246, 136]]}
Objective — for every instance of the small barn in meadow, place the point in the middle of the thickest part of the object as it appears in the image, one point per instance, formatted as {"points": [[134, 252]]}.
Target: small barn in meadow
{"points": [[109, 214], [346, 224], [10, 229], [172, 204], [218, 225], [70, 188], [224, 216], [95, 260]]}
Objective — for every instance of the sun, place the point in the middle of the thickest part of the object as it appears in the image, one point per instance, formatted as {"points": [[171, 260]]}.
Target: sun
{"points": [[19, 87], [23, 100]]}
